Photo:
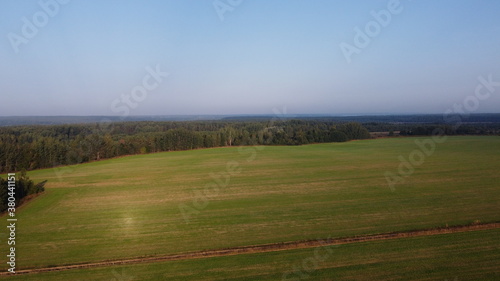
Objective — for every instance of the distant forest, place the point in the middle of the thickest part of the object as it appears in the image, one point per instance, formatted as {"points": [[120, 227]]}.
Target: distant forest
{"points": [[42, 146], [35, 147], [407, 118]]}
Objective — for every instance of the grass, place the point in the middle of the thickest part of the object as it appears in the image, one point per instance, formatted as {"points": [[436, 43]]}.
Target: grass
{"points": [[129, 207], [458, 256]]}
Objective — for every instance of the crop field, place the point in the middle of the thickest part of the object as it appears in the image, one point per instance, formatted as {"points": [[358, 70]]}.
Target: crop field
{"points": [[187, 201], [462, 256]]}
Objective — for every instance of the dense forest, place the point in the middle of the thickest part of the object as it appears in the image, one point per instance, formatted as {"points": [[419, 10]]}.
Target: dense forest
{"points": [[425, 129], [35, 147], [42, 146]]}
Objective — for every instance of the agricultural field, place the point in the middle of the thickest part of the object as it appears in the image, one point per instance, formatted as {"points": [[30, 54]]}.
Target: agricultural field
{"points": [[187, 201], [461, 256]]}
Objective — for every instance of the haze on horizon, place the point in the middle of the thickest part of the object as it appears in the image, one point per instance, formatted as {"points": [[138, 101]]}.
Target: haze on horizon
{"points": [[248, 57]]}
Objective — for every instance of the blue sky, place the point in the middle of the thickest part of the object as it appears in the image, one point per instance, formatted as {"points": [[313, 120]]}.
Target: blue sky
{"points": [[260, 55]]}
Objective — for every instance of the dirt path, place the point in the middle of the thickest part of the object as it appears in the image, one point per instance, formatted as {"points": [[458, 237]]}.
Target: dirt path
{"points": [[267, 247]]}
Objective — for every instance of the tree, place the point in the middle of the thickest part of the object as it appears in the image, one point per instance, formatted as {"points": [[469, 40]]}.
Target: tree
{"points": [[23, 187], [354, 130]]}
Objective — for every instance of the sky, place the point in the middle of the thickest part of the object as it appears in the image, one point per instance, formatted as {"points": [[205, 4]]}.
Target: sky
{"points": [[194, 57]]}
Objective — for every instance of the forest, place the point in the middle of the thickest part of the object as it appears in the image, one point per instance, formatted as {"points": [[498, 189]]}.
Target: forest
{"points": [[44, 146]]}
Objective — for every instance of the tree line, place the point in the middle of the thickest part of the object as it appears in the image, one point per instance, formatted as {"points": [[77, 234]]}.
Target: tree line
{"points": [[425, 129], [35, 147], [23, 187]]}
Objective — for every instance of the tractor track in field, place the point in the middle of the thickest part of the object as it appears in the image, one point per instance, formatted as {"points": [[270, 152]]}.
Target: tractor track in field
{"points": [[266, 248]]}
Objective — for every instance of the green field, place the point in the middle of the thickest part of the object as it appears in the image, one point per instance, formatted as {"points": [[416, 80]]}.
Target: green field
{"points": [[129, 207], [459, 256]]}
